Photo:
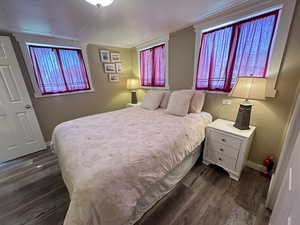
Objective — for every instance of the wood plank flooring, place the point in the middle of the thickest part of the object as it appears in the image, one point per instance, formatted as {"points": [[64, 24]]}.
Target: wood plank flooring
{"points": [[32, 193]]}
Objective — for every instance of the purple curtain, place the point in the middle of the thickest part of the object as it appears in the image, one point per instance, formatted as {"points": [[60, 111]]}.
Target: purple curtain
{"points": [[159, 65], [146, 67], [241, 49], [59, 70], [213, 59], [47, 70], [153, 66], [253, 48], [73, 69]]}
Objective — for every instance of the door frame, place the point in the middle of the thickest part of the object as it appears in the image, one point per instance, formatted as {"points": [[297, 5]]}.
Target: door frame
{"points": [[286, 152]]}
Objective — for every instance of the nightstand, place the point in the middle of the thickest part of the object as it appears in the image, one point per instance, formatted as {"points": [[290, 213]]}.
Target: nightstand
{"points": [[227, 146], [133, 105]]}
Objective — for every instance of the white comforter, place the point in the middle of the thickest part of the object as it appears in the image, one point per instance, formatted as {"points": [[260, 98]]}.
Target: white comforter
{"points": [[109, 161]]}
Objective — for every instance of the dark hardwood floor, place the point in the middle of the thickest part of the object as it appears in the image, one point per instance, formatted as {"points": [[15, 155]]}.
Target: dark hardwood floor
{"points": [[32, 193]]}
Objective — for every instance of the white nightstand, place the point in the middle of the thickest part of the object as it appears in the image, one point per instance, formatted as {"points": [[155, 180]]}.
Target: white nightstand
{"points": [[227, 146], [133, 105]]}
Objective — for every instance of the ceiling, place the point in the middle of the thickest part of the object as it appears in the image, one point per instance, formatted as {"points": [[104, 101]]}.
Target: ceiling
{"points": [[125, 23]]}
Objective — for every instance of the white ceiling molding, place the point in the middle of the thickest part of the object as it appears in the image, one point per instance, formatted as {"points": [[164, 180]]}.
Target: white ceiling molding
{"points": [[17, 33], [151, 43], [213, 12]]}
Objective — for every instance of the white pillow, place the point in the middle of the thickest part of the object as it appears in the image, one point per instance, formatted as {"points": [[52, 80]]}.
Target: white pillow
{"points": [[197, 102], [179, 102], [165, 100], [152, 99]]}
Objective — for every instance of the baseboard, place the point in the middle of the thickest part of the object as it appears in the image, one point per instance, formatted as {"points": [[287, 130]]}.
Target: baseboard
{"points": [[256, 166], [48, 143]]}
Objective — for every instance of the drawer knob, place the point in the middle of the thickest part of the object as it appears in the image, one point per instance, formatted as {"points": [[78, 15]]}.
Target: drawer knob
{"points": [[223, 139], [221, 149], [220, 159]]}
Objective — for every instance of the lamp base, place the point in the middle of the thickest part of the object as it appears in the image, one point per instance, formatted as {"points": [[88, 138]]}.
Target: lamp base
{"points": [[243, 117], [133, 98]]}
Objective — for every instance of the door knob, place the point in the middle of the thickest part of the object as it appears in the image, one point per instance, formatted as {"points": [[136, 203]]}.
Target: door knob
{"points": [[27, 106]]}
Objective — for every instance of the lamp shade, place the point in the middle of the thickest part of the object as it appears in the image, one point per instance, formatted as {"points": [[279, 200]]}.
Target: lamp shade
{"points": [[250, 88], [132, 84]]}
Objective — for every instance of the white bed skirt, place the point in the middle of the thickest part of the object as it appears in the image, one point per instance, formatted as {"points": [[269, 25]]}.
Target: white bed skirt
{"points": [[165, 185]]}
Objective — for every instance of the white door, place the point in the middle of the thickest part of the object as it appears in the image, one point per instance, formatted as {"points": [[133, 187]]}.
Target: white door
{"points": [[287, 210], [20, 133]]}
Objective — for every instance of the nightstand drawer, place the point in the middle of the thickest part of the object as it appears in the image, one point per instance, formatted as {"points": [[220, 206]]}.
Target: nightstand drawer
{"points": [[225, 139], [222, 148], [222, 160]]}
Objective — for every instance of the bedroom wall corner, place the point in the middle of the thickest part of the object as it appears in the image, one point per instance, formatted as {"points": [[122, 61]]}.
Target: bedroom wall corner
{"points": [[135, 73], [181, 58]]}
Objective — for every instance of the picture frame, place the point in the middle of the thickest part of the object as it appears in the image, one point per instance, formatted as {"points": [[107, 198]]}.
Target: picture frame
{"points": [[118, 67], [105, 56], [109, 68], [114, 77], [115, 57]]}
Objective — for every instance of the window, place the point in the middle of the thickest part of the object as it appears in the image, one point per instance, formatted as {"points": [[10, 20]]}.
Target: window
{"points": [[153, 65], [240, 49], [59, 70]]}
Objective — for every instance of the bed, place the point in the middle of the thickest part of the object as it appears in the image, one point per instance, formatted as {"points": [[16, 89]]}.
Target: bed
{"points": [[117, 165]]}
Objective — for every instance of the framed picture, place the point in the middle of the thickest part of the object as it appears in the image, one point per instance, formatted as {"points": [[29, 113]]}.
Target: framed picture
{"points": [[105, 56], [115, 57], [119, 67], [114, 77], [109, 68]]}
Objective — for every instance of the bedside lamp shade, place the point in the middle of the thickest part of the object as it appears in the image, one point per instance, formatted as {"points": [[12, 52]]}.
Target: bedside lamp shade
{"points": [[132, 84], [250, 88]]}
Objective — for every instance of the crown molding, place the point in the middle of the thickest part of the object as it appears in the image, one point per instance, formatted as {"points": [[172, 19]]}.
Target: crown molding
{"points": [[162, 38], [245, 7]]}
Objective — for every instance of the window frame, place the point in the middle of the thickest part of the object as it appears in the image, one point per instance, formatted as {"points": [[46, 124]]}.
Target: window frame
{"points": [[233, 26], [26, 40], [60, 48], [285, 16], [158, 42]]}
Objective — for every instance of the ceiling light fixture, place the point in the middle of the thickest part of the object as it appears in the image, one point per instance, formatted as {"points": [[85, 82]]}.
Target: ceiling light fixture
{"points": [[99, 3]]}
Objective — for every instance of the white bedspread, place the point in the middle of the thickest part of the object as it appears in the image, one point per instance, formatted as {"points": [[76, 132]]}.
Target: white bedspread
{"points": [[109, 161]]}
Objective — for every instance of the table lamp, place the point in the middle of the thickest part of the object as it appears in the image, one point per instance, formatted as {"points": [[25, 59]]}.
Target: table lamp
{"points": [[133, 85], [248, 88]]}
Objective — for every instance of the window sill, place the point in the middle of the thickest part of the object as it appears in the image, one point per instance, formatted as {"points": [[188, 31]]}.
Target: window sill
{"points": [[212, 92], [157, 88], [38, 95]]}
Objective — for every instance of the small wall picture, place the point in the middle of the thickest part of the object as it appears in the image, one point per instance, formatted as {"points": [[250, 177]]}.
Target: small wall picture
{"points": [[119, 67], [114, 77], [115, 57], [109, 68], [105, 56]]}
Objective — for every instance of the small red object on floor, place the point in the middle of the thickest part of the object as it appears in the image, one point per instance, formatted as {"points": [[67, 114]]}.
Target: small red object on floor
{"points": [[269, 164]]}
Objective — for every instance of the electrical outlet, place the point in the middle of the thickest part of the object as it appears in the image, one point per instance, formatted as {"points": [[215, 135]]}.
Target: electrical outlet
{"points": [[226, 101]]}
